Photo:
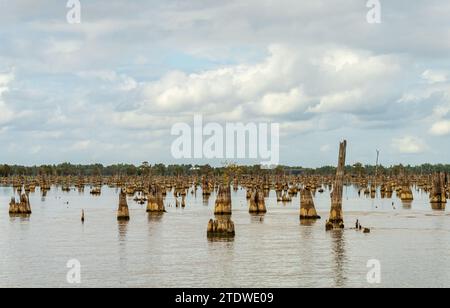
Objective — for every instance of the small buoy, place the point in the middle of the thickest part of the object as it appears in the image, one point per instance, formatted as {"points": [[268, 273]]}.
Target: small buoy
{"points": [[82, 216]]}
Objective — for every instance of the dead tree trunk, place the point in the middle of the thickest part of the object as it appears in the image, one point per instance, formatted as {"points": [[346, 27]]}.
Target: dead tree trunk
{"points": [[307, 208], [222, 226], [123, 212], [336, 214], [438, 196]]}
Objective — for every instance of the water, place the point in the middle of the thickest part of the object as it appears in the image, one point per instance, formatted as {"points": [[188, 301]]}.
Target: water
{"points": [[412, 244]]}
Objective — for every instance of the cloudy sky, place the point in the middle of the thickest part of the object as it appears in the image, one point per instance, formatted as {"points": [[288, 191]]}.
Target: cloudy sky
{"points": [[109, 89]]}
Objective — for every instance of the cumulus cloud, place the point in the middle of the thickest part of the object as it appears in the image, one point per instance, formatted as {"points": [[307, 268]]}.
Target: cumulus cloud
{"points": [[121, 78], [273, 104], [6, 113], [434, 76], [440, 128], [409, 145], [287, 83], [121, 82]]}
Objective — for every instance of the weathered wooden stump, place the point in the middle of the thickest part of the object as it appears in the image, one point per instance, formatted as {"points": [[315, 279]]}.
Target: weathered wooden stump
{"points": [[155, 201], [438, 193], [223, 201], [307, 208], [123, 212], [336, 219], [222, 226], [257, 203], [21, 208]]}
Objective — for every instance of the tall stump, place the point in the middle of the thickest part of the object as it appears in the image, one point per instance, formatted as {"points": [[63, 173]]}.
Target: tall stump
{"points": [[123, 212], [336, 219], [222, 226], [307, 208]]}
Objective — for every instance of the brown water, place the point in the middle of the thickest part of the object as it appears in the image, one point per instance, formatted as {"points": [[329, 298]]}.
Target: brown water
{"points": [[412, 244]]}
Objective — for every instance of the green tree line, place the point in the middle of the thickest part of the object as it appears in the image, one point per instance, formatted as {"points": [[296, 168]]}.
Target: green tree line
{"points": [[145, 168]]}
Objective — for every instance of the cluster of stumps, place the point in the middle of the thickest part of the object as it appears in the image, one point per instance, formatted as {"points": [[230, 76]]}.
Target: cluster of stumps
{"points": [[152, 190]]}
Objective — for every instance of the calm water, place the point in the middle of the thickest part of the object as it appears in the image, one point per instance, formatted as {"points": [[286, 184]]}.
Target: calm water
{"points": [[411, 242]]}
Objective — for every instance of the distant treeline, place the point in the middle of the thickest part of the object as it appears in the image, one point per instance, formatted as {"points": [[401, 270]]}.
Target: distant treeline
{"points": [[161, 169]]}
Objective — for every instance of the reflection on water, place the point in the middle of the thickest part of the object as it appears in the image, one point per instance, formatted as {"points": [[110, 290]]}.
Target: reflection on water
{"points": [[123, 226], [256, 218], [155, 217], [172, 250], [220, 239], [438, 206], [308, 222], [20, 217], [407, 204], [205, 199], [339, 256]]}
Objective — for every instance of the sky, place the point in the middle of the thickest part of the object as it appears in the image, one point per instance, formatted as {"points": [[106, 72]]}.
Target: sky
{"points": [[109, 89]]}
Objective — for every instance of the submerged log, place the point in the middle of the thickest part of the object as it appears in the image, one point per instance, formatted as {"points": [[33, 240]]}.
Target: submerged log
{"points": [[336, 214], [123, 212], [307, 208]]}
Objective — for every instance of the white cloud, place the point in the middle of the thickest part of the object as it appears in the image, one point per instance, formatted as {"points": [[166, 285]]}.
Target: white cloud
{"points": [[121, 82], [434, 76], [409, 145], [287, 82], [6, 113], [339, 59], [297, 128], [273, 104], [131, 70], [440, 128], [341, 101], [5, 80], [225, 86]]}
